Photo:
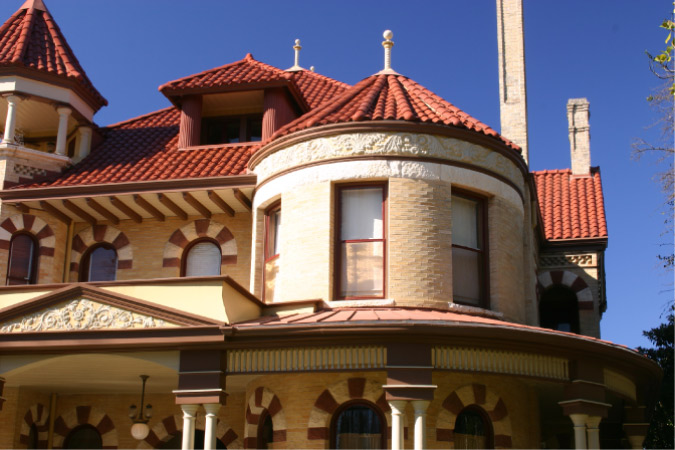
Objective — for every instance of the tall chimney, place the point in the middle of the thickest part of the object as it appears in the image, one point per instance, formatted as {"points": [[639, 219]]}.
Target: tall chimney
{"points": [[512, 88], [578, 115]]}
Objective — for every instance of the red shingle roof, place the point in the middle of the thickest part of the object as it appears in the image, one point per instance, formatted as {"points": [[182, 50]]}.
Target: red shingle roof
{"points": [[31, 38], [572, 207], [314, 88], [146, 149], [390, 97]]}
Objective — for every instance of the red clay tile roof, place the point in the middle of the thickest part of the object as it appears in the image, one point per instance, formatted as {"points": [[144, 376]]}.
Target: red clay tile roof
{"points": [[146, 149], [572, 207], [30, 38], [314, 88], [389, 97]]}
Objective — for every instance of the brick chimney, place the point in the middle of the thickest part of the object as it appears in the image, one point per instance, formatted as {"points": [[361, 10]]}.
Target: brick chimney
{"points": [[512, 86], [578, 115]]}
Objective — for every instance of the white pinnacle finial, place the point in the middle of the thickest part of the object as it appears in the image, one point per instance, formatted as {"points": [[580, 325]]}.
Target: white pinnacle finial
{"points": [[387, 44], [297, 47]]}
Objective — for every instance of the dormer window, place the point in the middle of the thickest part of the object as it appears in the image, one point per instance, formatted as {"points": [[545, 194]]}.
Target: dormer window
{"points": [[231, 129]]}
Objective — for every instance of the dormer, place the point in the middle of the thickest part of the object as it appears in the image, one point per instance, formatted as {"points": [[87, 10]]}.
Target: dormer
{"points": [[246, 101], [47, 102]]}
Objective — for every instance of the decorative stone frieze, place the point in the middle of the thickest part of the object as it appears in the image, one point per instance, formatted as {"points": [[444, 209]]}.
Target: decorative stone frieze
{"points": [[568, 260], [405, 145], [81, 314]]}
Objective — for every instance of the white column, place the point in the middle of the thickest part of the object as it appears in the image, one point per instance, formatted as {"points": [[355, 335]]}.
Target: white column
{"points": [[420, 407], [211, 423], [10, 123], [593, 430], [189, 416], [62, 134], [85, 141], [397, 411], [579, 421]]}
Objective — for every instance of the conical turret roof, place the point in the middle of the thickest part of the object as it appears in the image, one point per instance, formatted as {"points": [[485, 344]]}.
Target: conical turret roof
{"points": [[31, 39], [390, 96]]}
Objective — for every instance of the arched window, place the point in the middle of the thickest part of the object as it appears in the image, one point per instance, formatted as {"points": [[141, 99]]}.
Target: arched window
{"points": [[265, 431], [23, 259], [83, 436], [559, 310], [358, 425], [176, 441], [473, 429], [99, 263], [202, 258]]}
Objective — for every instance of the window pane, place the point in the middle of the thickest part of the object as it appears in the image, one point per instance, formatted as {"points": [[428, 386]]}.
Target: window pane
{"points": [[466, 275], [273, 230], [232, 130], [254, 130], [271, 272], [470, 430], [361, 211], [102, 264], [21, 260], [358, 427], [465, 222], [362, 269], [203, 260]]}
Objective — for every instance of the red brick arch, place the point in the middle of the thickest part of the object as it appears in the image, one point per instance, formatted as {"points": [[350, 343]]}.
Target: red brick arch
{"points": [[31, 224], [101, 234], [170, 425], [81, 415], [202, 228], [36, 415], [574, 282], [482, 397], [260, 402], [335, 395]]}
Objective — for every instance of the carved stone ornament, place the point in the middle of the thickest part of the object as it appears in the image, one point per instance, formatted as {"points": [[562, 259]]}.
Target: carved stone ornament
{"points": [[387, 143], [81, 314]]}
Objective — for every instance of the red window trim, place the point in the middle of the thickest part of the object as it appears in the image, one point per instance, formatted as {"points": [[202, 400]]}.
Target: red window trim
{"points": [[337, 268], [484, 301], [186, 252], [33, 275]]}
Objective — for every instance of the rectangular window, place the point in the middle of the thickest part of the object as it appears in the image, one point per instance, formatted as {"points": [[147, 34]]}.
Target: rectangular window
{"points": [[231, 129], [271, 251], [469, 264], [361, 241]]}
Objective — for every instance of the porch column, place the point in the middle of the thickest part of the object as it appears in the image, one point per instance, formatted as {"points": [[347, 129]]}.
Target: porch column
{"points": [[593, 432], [189, 416], [635, 425], [579, 421], [420, 439], [10, 123], [211, 424], [62, 134], [397, 411]]}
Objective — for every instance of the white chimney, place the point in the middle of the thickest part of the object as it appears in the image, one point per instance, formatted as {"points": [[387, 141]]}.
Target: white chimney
{"points": [[578, 115]]}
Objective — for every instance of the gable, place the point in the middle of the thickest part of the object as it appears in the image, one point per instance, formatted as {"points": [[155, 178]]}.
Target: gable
{"points": [[83, 307]]}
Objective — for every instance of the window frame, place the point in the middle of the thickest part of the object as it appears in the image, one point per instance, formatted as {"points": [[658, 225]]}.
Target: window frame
{"points": [[487, 422], [245, 127], [190, 246], [384, 426], [267, 258], [261, 428], [35, 261], [483, 232], [67, 441], [337, 268], [555, 305], [86, 261]]}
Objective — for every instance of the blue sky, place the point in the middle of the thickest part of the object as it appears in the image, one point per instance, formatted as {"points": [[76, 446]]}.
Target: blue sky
{"points": [[574, 48]]}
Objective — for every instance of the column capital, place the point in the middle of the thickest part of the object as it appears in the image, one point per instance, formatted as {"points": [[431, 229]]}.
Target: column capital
{"points": [[189, 410], [212, 408], [64, 110], [85, 129], [579, 420], [420, 406], [13, 98], [397, 406]]}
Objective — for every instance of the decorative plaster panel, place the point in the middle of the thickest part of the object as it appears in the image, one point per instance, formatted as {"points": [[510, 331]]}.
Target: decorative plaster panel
{"points": [[390, 144], [81, 314]]}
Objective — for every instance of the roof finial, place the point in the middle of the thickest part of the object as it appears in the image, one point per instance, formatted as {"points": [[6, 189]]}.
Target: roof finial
{"points": [[387, 44], [297, 47]]}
